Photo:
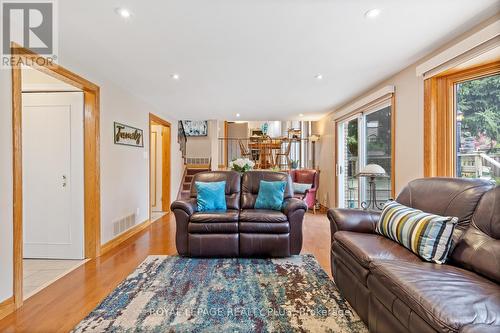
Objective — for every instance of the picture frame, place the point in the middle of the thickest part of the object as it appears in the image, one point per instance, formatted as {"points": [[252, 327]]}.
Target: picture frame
{"points": [[195, 127], [126, 135]]}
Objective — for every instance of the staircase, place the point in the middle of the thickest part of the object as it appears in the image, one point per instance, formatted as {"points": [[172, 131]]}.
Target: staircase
{"points": [[189, 173], [189, 169]]}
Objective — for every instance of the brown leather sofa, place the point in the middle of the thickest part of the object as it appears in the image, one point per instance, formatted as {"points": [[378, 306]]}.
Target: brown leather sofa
{"points": [[393, 290], [241, 231]]}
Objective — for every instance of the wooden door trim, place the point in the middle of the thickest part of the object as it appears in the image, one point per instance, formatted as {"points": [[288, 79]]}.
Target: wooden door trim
{"points": [[439, 117], [226, 144], [92, 195], [166, 163]]}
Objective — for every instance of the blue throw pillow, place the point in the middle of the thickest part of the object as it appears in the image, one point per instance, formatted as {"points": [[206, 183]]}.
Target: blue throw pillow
{"points": [[270, 195], [211, 196], [301, 188]]}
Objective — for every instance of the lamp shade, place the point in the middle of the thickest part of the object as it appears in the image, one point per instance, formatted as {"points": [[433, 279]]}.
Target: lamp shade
{"points": [[371, 170]]}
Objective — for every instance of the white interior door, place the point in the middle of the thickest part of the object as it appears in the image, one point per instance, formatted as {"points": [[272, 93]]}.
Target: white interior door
{"points": [[52, 142]]}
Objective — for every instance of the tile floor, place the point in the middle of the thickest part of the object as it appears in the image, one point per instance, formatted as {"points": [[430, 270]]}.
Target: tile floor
{"points": [[39, 273]]}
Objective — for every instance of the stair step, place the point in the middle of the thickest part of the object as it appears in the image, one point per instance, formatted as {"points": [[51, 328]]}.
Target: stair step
{"points": [[184, 195], [192, 172], [186, 186]]}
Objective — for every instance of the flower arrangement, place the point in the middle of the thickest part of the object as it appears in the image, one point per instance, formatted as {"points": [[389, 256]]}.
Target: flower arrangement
{"points": [[241, 164]]}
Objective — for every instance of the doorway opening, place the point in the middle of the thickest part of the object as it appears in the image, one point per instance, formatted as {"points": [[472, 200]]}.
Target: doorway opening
{"points": [[159, 171], [55, 127], [52, 137]]}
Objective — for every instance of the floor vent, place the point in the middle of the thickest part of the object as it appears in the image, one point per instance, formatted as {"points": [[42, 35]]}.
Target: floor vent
{"points": [[197, 160], [123, 224]]}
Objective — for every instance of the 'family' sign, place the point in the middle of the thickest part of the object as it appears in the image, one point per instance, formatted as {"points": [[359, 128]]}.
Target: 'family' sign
{"points": [[128, 135]]}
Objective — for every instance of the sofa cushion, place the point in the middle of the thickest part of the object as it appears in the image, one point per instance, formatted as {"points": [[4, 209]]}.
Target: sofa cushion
{"points": [[211, 195], [426, 235], [365, 248], [446, 197], [446, 297], [479, 247], [264, 228], [270, 195], [213, 228], [262, 215], [233, 185], [301, 188], [215, 216], [250, 183]]}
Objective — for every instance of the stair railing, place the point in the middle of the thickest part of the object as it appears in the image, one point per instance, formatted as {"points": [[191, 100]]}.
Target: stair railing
{"points": [[182, 139]]}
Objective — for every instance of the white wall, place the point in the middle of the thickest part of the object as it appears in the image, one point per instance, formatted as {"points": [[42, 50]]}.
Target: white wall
{"points": [[124, 170], [201, 146]]}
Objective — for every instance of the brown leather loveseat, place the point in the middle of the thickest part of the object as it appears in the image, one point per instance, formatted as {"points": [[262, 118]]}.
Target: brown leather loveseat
{"points": [[241, 231], [393, 290]]}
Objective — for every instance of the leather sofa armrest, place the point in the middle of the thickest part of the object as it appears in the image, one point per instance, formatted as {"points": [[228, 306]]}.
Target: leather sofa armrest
{"points": [[188, 206], [356, 220], [294, 209], [293, 204], [183, 209]]}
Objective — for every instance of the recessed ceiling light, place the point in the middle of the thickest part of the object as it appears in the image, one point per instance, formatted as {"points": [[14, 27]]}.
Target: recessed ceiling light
{"points": [[123, 12], [238, 115], [319, 77], [301, 115], [372, 13], [176, 76]]}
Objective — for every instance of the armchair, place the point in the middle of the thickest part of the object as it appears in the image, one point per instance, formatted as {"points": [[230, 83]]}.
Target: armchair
{"points": [[307, 176]]}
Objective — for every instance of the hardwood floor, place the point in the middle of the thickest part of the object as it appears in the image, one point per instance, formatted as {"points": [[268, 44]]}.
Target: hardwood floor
{"points": [[59, 307]]}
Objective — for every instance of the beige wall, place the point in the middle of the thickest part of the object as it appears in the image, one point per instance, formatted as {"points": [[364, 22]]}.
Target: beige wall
{"points": [[409, 139], [201, 146], [409, 156]]}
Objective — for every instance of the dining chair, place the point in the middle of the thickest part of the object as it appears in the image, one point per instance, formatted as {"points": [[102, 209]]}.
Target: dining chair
{"points": [[283, 156], [265, 153], [244, 151]]}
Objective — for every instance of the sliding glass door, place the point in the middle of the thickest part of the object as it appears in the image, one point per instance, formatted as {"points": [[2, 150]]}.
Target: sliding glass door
{"points": [[348, 162], [365, 138], [378, 134]]}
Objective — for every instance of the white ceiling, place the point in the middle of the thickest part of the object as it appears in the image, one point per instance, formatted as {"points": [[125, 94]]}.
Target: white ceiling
{"points": [[258, 58]]}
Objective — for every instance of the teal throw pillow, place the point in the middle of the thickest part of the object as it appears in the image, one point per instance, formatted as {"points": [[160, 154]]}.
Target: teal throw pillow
{"points": [[270, 195], [301, 188], [211, 196]]}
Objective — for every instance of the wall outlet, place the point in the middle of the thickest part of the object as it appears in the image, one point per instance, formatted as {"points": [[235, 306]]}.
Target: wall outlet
{"points": [[137, 212], [145, 154]]}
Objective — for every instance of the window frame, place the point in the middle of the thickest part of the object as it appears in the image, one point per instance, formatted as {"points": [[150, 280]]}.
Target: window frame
{"points": [[440, 117], [360, 114]]}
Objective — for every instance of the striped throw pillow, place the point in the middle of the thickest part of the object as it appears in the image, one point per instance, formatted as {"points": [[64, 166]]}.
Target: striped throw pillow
{"points": [[427, 235]]}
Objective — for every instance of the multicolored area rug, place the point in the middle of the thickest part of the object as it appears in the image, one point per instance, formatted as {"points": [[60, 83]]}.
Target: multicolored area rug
{"points": [[175, 294]]}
